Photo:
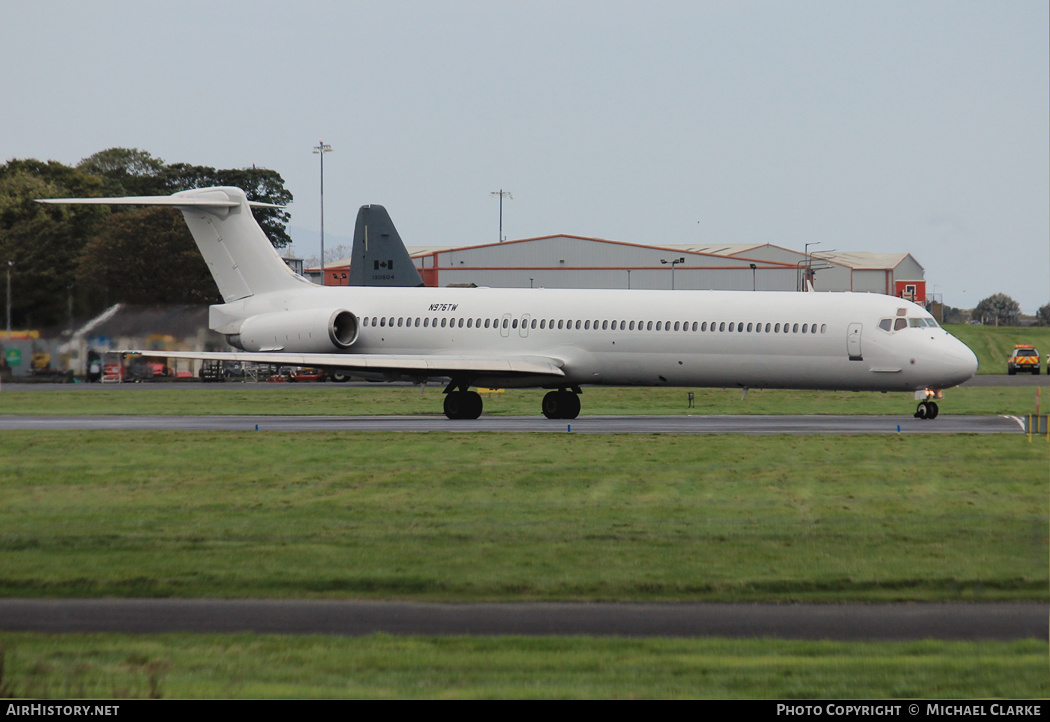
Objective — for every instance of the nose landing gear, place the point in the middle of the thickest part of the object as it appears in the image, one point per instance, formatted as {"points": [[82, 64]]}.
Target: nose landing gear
{"points": [[927, 406], [927, 410]]}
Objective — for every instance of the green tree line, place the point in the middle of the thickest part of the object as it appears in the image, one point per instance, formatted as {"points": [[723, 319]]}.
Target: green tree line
{"points": [[90, 257]]}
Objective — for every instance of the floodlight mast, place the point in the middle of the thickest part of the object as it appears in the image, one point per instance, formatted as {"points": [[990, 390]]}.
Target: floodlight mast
{"points": [[321, 148], [501, 194], [673, 262]]}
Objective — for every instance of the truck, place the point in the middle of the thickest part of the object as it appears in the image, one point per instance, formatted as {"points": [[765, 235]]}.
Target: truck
{"points": [[1025, 357]]}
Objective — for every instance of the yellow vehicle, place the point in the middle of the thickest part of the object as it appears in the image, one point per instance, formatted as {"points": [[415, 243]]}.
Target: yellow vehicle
{"points": [[41, 362], [1024, 358]]}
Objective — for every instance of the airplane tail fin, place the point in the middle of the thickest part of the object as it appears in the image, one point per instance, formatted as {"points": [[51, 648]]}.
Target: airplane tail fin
{"points": [[241, 258], [379, 257]]}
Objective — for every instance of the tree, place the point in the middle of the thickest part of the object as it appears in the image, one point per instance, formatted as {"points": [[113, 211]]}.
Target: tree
{"points": [[126, 171], [100, 255], [146, 256], [953, 315], [1043, 314], [999, 309], [134, 172], [259, 184], [44, 241]]}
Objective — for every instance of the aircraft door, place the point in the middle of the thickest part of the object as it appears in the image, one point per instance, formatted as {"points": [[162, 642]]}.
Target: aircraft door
{"points": [[524, 330], [504, 326], [853, 342]]}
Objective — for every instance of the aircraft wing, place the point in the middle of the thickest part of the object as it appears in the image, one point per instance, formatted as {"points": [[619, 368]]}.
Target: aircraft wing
{"points": [[397, 364]]}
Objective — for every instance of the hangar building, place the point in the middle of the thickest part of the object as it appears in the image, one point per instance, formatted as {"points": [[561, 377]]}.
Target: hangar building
{"points": [[565, 261]]}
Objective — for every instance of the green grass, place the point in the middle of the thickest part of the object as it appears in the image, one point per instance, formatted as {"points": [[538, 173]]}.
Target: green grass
{"points": [[257, 666], [335, 399], [467, 517], [511, 517], [993, 344]]}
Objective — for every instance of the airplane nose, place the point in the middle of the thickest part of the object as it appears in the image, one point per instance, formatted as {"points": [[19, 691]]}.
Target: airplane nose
{"points": [[960, 363]]}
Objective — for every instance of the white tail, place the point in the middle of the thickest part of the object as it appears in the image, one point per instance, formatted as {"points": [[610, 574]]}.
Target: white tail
{"points": [[242, 260]]}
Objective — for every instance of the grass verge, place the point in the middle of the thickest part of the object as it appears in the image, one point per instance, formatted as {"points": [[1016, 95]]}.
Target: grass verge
{"points": [[257, 666], [337, 400], [472, 517], [993, 344]]}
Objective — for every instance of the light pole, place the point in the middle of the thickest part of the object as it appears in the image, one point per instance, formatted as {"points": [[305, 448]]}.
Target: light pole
{"points": [[321, 148], [809, 264], [754, 279], [501, 193], [674, 262]]}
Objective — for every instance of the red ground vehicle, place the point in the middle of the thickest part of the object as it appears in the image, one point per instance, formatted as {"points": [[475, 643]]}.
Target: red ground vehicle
{"points": [[307, 374]]}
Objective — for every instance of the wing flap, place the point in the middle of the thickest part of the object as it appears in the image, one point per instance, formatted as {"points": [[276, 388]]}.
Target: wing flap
{"points": [[380, 363]]}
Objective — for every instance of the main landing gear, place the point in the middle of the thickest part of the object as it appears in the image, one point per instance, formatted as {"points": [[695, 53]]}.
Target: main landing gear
{"points": [[561, 404], [927, 410], [462, 404]]}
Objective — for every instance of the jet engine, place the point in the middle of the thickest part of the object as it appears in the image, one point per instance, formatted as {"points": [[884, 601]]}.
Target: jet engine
{"points": [[321, 330]]}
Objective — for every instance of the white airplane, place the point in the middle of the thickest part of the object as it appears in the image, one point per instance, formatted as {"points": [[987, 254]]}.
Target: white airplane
{"points": [[557, 339]]}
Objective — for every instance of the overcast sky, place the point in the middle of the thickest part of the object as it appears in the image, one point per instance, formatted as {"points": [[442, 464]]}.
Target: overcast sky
{"points": [[865, 126]]}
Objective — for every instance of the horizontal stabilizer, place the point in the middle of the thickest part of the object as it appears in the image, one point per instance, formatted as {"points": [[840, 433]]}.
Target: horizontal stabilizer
{"points": [[240, 257], [147, 201], [198, 200]]}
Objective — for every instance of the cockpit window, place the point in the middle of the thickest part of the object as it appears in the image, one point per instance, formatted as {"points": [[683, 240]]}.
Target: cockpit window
{"points": [[921, 322], [899, 323]]}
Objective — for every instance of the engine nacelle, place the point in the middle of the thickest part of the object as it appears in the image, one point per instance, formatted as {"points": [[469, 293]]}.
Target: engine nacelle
{"points": [[319, 330]]}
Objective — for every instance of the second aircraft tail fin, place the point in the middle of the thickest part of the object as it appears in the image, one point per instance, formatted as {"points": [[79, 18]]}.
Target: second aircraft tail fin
{"points": [[379, 257]]}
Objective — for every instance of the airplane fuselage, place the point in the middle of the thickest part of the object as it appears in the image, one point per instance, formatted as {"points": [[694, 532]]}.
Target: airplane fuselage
{"points": [[642, 337]]}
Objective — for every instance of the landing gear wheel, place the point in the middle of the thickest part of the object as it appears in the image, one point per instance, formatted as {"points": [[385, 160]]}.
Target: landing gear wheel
{"points": [[561, 405], [927, 410], [463, 404], [550, 405], [474, 405], [571, 406], [338, 377]]}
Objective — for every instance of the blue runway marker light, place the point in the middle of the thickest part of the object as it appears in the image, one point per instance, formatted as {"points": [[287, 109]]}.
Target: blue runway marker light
{"points": [[257, 427], [569, 428], [898, 428]]}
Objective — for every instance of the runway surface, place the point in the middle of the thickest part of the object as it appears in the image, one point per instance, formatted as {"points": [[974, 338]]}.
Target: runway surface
{"points": [[754, 425], [843, 622]]}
